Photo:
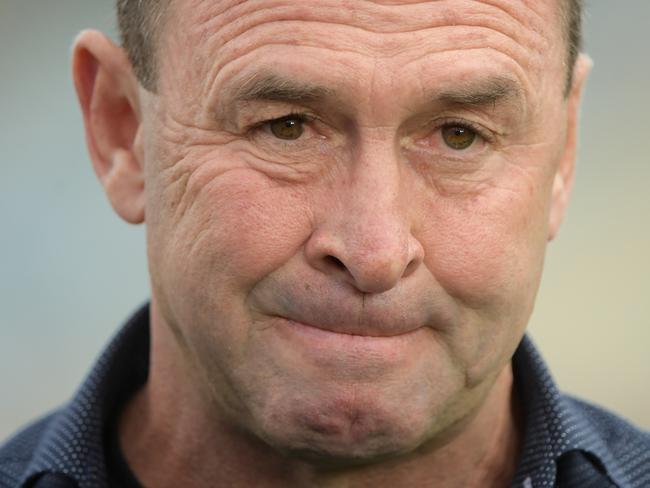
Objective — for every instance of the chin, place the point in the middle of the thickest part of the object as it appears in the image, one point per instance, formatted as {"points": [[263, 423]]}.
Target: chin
{"points": [[340, 431]]}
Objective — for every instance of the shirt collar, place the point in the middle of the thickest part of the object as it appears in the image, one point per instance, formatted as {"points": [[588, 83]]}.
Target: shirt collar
{"points": [[555, 426], [73, 443]]}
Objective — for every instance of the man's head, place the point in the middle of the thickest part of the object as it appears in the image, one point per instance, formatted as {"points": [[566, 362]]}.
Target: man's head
{"points": [[347, 206]]}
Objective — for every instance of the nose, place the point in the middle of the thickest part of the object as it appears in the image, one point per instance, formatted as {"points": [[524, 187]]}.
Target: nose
{"points": [[363, 230]]}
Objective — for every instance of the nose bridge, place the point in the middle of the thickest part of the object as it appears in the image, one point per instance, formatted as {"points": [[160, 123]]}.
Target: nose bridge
{"points": [[375, 220], [367, 240]]}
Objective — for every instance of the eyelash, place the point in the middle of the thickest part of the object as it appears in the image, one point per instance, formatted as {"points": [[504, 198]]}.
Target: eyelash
{"points": [[466, 124], [305, 118]]}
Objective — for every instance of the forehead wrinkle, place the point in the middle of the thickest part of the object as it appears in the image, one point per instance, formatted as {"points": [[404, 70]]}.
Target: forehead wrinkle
{"points": [[241, 80], [242, 16], [372, 12], [229, 76], [481, 38], [335, 10], [221, 30], [535, 20], [377, 41], [347, 41]]}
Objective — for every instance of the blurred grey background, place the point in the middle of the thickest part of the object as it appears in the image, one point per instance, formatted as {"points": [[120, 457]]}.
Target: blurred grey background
{"points": [[71, 271]]}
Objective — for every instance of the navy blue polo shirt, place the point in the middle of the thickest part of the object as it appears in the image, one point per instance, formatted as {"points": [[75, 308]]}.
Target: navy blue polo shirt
{"points": [[567, 442]]}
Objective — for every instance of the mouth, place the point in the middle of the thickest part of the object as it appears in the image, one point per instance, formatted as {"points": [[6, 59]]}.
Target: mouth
{"points": [[373, 323], [344, 342], [356, 333]]}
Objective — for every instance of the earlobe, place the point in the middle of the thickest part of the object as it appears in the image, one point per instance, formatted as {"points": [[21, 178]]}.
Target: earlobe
{"points": [[108, 95], [563, 181]]}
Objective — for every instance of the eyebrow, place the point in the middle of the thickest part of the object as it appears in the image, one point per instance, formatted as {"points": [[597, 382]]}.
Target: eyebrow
{"points": [[487, 91], [268, 86]]}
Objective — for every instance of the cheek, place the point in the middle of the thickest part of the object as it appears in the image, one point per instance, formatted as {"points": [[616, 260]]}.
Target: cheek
{"points": [[260, 227], [490, 248], [240, 227], [487, 253], [229, 231]]}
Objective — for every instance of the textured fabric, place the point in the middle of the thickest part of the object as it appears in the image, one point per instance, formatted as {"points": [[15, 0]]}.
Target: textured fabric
{"points": [[70, 441], [591, 446], [567, 444], [54, 480]]}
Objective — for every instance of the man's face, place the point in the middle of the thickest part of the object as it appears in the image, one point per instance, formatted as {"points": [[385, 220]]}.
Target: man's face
{"points": [[348, 205]]}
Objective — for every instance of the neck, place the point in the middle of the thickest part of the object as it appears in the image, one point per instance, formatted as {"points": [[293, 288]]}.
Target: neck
{"points": [[171, 436]]}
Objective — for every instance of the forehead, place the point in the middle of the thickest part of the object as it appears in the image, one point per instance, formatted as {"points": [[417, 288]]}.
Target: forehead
{"points": [[384, 41]]}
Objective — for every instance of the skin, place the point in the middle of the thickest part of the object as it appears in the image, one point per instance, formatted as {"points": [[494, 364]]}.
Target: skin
{"points": [[340, 309]]}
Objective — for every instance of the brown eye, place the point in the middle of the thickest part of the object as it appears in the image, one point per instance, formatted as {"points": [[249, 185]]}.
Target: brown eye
{"points": [[287, 128], [458, 137]]}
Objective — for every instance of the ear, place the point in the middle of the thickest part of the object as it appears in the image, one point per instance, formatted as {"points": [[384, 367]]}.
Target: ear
{"points": [[108, 95], [563, 181]]}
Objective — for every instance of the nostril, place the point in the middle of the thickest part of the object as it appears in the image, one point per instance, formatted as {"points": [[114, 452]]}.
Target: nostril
{"points": [[411, 267], [335, 262]]}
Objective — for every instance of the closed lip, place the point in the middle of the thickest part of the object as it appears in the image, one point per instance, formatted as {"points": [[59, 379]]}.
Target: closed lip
{"points": [[358, 331], [343, 353], [336, 310]]}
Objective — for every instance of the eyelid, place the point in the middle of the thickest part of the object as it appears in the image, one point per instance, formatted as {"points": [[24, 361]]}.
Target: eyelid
{"points": [[306, 117], [302, 116], [480, 130]]}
